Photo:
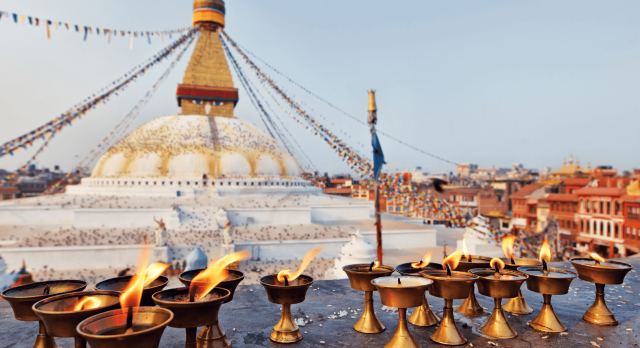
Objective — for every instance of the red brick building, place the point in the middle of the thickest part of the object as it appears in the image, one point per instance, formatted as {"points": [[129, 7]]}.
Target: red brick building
{"points": [[8, 192], [494, 202], [563, 208], [465, 199], [631, 211], [524, 205], [601, 219], [572, 184]]}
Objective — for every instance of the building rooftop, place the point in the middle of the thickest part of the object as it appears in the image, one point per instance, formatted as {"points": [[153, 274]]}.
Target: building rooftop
{"points": [[577, 182], [600, 191], [525, 191], [562, 197]]}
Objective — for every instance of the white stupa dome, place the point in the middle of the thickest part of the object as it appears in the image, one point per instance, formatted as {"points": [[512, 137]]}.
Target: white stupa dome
{"points": [[190, 146]]}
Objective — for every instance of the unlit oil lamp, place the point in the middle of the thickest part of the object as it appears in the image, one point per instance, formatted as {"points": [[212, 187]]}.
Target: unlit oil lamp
{"points": [[470, 306], [199, 303], [22, 298], [402, 293], [498, 283], [423, 315], [449, 285], [601, 272], [286, 288], [61, 314], [518, 304], [360, 277], [132, 325], [548, 282]]}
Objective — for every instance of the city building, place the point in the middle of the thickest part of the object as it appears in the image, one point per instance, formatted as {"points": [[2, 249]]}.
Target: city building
{"points": [[524, 202], [631, 211], [563, 208], [600, 219]]}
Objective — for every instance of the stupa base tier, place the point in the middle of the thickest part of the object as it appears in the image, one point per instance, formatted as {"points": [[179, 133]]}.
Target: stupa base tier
{"points": [[517, 305], [402, 337], [286, 331], [212, 336], [547, 320], [497, 326], [470, 306], [424, 316], [368, 322], [447, 332], [599, 313]]}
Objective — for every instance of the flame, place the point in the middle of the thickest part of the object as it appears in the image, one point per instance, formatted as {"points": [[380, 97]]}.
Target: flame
{"points": [[375, 265], [597, 257], [507, 246], [153, 272], [464, 248], [305, 262], [452, 260], [208, 279], [143, 276], [88, 302], [426, 259], [545, 251], [495, 261]]}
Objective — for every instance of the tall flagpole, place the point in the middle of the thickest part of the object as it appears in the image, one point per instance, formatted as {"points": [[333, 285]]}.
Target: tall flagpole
{"points": [[378, 161]]}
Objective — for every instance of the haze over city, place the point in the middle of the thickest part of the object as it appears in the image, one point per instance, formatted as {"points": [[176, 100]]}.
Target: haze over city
{"points": [[493, 83]]}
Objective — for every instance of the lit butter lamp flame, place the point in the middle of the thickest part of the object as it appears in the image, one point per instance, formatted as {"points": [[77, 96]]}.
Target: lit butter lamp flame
{"points": [[374, 265], [451, 262], [426, 259], [215, 273], [87, 302], [144, 275], [465, 251], [507, 247], [598, 258], [545, 255], [285, 276], [497, 265]]}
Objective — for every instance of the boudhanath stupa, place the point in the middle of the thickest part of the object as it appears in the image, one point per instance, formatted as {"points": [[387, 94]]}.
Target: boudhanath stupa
{"points": [[190, 174]]}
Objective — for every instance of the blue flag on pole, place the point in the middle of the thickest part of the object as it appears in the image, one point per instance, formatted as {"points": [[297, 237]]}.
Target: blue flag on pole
{"points": [[378, 156]]}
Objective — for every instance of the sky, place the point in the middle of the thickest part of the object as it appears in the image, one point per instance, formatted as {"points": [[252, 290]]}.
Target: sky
{"points": [[487, 82]]}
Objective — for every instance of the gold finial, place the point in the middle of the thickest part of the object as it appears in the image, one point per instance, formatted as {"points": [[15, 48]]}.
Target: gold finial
{"points": [[24, 265], [372, 100]]}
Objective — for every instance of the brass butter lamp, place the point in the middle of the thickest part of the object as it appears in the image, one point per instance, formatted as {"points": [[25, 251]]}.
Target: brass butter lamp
{"points": [[360, 277], [518, 304], [286, 294], [61, 314], [498, 283], [402, 293], [470, 306], [423, 315], [449, 285], [189, 313], [120, 283], [548, 282], [601, 272], [22, 298], [212, 335]]}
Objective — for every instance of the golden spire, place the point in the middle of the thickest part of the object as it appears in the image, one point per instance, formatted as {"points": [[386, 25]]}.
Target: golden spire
{"points": [[207, 88], [372, 100]]}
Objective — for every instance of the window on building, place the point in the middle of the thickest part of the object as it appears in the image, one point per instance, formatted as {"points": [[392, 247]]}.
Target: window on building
{"points": [[582, 226], [609, 208], [608, 229], [532, 209], [601, 211], [601, 228], [628, 233], [633, 235], [615, 231]]}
